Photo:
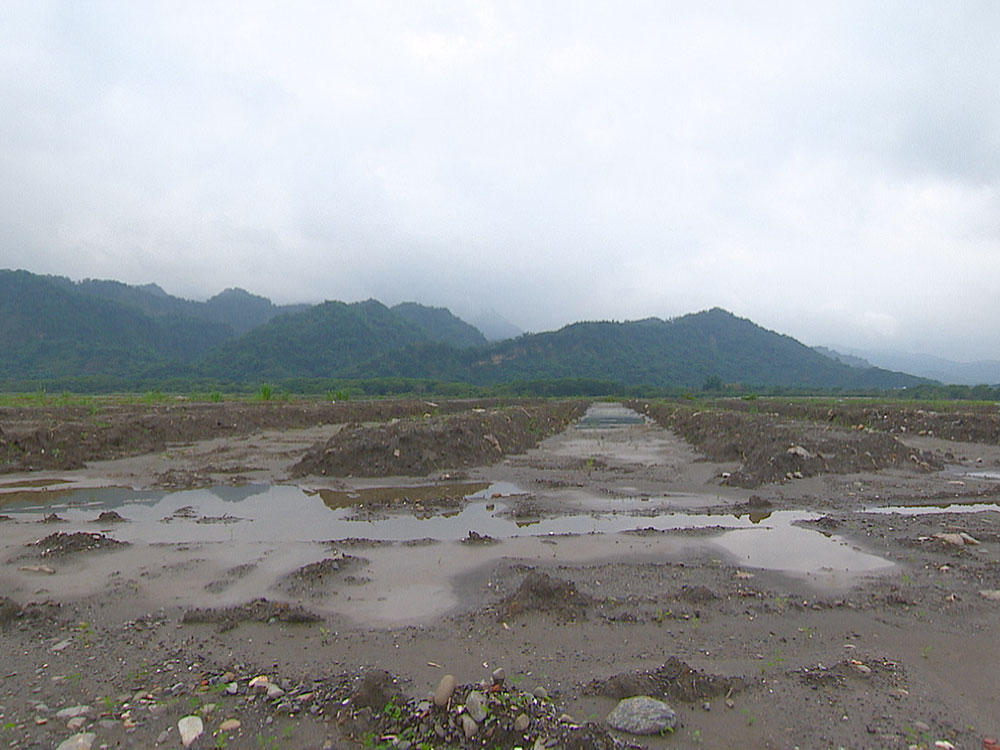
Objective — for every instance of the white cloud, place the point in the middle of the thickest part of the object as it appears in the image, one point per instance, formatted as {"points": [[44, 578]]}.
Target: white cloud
{"points": [[821, 169]]}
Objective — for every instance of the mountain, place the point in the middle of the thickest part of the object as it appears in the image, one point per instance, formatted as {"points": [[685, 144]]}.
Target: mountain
{"points": [[236, 308], [49, 329], [243, 311], [322, 341], [690, 351], [440, 325], [847, 359], [494, 326], [983, 372]]}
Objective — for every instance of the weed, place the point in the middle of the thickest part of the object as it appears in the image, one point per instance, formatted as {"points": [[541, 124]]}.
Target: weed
{"points": [[265, 392], [215, 397], [749, 716]]}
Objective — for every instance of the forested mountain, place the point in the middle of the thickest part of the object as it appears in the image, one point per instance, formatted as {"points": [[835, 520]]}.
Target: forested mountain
{"points": [[49, 330], [322, 341], [236, 308], [688, 351], [440, 325], [52, 327]]}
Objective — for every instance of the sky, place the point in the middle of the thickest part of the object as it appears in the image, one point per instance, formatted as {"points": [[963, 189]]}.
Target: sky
{"points": [[830, 170]]}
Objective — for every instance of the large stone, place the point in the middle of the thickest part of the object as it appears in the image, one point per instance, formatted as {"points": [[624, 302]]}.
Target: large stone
{"points": [[82, 741], [475, 706], [73, 711], [642, 715], [444, 690], [190, 728]]}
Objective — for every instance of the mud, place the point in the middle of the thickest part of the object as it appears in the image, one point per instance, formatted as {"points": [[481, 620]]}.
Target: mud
{"points": [[853, 607], [422, 447]]}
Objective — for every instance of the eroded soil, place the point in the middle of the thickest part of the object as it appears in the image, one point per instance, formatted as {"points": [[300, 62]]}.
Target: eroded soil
{"points": [[613, 559]]}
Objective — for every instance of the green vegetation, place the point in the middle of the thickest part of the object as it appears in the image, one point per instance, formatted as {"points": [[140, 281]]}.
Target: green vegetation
{"points": [[103, 337]]}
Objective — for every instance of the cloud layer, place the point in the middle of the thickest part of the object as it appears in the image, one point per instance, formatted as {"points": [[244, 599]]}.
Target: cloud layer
{"points": [[829, 171]]}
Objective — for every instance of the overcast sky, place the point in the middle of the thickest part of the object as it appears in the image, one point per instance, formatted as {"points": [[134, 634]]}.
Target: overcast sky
{"points": [[828, 170]]}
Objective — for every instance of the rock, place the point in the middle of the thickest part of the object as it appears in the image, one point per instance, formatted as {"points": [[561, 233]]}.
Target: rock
{"points": [[190, 728], [499, 675], [475, 705], [444, 690], [81, 741], [273, 691], [642, 715], [957, 539], [992, 594], [47, 569], [232, 688], [76, 723], [521, 723], [921, 726], [73, 712], [260, 683], [469, 726], [540, 693], [61, 646], [798, 450], [229, 725]]}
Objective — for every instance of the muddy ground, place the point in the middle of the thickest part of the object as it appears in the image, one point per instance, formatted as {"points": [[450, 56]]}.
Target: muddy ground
{"points": [[734, 576]]}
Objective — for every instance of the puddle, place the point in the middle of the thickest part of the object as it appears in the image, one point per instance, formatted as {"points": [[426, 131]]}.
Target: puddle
{"points": [[603, 416], [282, 514], [982, 474], [921, 510]]}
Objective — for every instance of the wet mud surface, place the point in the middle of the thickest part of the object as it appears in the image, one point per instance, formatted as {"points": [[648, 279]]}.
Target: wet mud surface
{"points": [[843, 595]]}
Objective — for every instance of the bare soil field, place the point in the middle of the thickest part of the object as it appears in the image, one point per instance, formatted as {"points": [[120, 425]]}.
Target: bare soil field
{"points": [[417, 574]]}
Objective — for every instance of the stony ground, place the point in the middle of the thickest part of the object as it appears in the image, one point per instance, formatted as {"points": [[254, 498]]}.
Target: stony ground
{"points": [[526, 641]]}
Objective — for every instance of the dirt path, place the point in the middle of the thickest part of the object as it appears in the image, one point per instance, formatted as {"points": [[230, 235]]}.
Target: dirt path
{"points": [[611, 551]]}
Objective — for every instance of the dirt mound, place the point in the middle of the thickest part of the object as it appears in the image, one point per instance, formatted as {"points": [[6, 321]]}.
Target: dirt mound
{"points": [[540, 592], [772, 449], [421, 447], [315, 577], [967, 422], [673, 680], [62, 543], [258, 610], [37, 438]]}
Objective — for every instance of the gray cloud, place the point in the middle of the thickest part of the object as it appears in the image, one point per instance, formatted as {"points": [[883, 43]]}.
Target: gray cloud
{"points": [[829, 171]]}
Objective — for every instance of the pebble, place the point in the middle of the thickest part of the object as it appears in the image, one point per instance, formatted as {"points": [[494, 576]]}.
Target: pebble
{"points": [[921, 726], [469, 726], [81, 741], [61, 646], [190, 728], [444, 690], [642, 715], [232, 688], [521, 723], [76, 723], [474, 705], [229, 725], [499, 675], [260, 682], [540, 693]]}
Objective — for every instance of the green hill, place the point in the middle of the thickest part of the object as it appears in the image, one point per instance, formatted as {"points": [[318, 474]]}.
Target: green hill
{"points": [[440, 325], [690, 351], [51, 327], [322, 341], [50, 330]]}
